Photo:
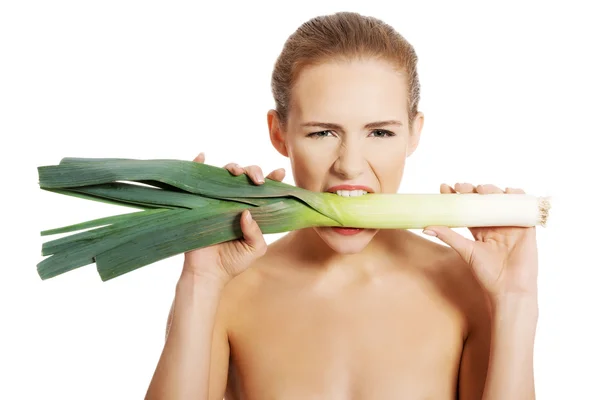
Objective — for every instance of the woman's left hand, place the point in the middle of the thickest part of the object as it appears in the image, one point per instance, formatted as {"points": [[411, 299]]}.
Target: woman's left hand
{"points": [[504, 259]]}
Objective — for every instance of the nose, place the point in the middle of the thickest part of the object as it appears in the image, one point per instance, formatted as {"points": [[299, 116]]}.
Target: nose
{"points": [[350, 162]]}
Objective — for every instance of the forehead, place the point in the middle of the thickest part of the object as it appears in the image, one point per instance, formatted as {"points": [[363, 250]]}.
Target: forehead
{"points": [[346, 91]]}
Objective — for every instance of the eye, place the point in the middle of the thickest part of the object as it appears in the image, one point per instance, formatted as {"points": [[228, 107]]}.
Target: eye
{"points": [[320, 134], [381, 133]]}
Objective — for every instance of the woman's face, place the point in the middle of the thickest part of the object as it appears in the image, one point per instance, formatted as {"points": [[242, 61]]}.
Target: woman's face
{"points": [[347, 130]]}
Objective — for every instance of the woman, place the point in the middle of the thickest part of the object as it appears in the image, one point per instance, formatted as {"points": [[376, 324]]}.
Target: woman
{"points": [[346, 313]]}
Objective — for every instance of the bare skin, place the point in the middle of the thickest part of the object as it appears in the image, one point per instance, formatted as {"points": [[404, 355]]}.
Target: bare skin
{"points": [[380, 314], [395, 328]]}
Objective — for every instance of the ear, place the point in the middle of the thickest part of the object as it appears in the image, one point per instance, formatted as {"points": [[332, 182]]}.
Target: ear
{"points": [[415, 135], [276, 132]]}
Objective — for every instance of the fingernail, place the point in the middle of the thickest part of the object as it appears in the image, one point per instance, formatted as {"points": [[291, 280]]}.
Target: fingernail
{"points": [[248, 217], [260, 178], [428, 232]]}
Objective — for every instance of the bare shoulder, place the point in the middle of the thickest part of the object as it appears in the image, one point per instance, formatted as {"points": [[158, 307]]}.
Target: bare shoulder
{"points": [[241, 292]]}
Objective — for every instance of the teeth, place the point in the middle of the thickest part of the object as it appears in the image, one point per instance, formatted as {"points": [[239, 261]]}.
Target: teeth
{"points": [[351, 193]]}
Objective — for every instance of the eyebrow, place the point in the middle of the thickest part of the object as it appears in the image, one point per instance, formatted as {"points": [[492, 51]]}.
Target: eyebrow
{"points": [[370, 125]]}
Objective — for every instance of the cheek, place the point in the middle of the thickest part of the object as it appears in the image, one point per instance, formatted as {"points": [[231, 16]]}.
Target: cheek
{"points": [[388, 164], [310, 165], [395, 177]]}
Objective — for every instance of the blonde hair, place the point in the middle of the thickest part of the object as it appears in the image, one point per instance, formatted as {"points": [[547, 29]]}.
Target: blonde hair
{"points": [[342, 36]]}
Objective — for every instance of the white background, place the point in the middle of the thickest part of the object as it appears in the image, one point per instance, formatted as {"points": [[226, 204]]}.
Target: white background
{"points": [[510, 96]]}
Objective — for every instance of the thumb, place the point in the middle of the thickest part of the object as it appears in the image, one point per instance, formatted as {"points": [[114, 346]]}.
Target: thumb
{"points": [[462, 245], [252, 233]]}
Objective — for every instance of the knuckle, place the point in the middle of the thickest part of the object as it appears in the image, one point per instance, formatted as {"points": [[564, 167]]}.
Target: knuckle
{"points": [[234, 168]]}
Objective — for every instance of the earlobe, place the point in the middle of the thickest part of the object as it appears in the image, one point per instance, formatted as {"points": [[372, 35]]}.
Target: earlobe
{"points": [[276, 133]]}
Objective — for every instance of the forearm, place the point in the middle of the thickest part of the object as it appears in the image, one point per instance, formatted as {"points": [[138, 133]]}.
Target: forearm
{"points": [[184, 365], [510, 372]]}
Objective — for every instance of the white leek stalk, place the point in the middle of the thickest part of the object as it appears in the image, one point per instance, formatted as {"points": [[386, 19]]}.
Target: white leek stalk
{"points": [[416, 211]]}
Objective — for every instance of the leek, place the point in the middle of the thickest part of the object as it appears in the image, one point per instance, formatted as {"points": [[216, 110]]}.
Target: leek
{"points": [[187, 205]]}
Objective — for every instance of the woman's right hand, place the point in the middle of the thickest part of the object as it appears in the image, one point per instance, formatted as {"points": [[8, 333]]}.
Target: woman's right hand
{"points": [[224, 261]]}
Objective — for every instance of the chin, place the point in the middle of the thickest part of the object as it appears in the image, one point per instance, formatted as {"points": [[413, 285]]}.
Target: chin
{"points": [[346, 244]]}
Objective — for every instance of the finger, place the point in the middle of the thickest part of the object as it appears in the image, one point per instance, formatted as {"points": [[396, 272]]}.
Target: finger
{"points": [[234, 168], [252, 234], [277, 175], [464, 188], [488, 189], [462, 245], [255, 173], [514, 191], [200, 158], [444, 188]]}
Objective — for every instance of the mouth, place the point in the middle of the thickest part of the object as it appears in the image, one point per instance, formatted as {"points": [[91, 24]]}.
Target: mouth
{"points": [[349, 191], [346, 231]]}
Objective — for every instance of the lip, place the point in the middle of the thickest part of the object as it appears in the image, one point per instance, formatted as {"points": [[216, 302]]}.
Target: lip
{"points": [[334, 189], [347, 231]]}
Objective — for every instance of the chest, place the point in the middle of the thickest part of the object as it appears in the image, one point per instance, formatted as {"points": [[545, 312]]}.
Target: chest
{"points": [[359, 342]]}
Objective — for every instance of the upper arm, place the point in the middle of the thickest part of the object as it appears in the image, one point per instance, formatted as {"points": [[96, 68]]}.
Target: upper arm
{"points": [[219, 355], [476, 353]]}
